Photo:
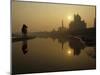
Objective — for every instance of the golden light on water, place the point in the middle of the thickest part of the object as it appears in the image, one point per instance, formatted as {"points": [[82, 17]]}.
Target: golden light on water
{"points": [[69, 52]]}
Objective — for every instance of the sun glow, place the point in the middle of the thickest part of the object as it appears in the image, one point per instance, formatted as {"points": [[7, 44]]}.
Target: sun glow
{"points": [[70, 18], [69, 52]]}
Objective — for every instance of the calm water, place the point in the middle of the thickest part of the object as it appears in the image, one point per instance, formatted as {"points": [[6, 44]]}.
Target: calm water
{"points": [[46, 54]]}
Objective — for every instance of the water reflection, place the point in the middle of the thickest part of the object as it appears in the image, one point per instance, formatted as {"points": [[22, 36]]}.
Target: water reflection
{"points": [[43, 50], [68, 52], [24, 46], [92, 53], [62, 41], [77, 45]]}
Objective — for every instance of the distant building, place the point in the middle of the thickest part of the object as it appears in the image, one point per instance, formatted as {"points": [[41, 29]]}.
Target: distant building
{"points": [[77, 24], [62, 28]]}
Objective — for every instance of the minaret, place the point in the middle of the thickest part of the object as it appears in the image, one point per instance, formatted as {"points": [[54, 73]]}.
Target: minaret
{"points": [[62, 24], [62, 45]]}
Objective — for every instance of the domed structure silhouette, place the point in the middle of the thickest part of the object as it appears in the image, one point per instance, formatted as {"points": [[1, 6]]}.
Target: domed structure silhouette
{"points": [[77, 24]]}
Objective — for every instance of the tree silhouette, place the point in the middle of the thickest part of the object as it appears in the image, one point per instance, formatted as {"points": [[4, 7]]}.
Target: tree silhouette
{"points": [[24, 30]]}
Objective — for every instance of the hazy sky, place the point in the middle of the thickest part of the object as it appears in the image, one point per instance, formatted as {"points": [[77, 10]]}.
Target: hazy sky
{"points": [[46, 16]]}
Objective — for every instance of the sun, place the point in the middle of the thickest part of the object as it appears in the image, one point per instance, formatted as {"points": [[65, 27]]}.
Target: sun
{"points": [[70, 18]]}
